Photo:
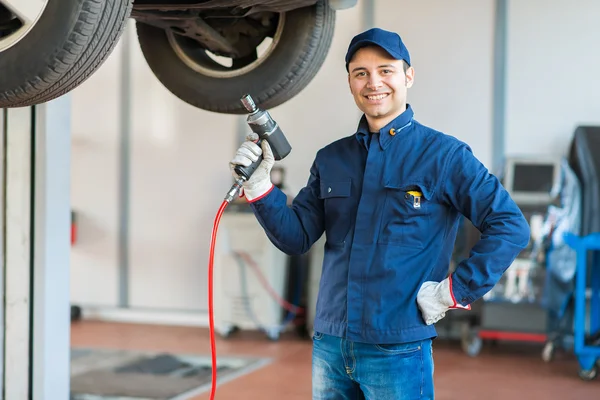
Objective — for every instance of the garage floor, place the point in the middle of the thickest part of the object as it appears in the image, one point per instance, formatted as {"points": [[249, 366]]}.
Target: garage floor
{"points": [[505, 371]]}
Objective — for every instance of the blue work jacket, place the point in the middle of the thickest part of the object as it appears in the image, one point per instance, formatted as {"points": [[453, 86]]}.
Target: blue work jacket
{"points": [[389, 204]]}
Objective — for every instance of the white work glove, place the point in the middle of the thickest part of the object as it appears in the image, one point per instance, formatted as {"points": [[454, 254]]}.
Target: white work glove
{"points": [[260, 181], [435, 298]]}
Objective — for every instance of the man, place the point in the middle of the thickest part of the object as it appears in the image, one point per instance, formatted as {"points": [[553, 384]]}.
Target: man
{"points": [[388, 198]]}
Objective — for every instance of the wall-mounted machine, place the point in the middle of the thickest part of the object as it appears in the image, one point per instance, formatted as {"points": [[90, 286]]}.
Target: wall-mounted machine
{"points": [[530, 180]]}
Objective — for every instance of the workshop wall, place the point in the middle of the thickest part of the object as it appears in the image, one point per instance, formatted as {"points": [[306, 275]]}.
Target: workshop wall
{"points": [[179, 175], [446, 93], [451, 47], [94, 185], [552, 73]]}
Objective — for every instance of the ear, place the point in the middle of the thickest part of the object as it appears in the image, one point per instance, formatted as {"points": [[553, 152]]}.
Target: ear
{"points": [[349, 85], [410, 77]]}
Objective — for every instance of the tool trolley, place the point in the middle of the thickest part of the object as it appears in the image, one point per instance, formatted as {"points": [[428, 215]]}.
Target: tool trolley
{"points": [[587, 303]]}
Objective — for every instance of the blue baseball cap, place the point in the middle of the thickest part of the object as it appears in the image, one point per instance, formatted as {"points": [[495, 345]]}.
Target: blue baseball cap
{"points": [[389, 41]]}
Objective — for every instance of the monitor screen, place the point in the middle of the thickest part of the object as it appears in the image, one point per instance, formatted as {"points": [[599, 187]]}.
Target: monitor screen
{"points": [[533, 178]]}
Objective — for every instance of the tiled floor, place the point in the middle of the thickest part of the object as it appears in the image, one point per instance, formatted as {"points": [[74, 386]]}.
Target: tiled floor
{"points": [[506, 371]]}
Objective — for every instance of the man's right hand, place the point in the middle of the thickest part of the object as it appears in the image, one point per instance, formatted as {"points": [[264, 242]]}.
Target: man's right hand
{"points": [[259, 183]]}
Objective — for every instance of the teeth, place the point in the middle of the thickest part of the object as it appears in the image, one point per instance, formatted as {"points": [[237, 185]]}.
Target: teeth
{"points": [[377, 97]]}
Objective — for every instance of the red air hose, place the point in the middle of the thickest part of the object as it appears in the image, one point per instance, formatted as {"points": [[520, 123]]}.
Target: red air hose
{"points": [[211, 318]]}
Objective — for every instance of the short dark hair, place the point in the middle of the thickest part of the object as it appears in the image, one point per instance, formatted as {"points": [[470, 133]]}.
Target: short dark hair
{"points": [[405, 66]]}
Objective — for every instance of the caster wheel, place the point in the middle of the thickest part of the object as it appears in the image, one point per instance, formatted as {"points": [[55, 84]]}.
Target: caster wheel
{"points": [[472, 345], [227, 331], [470, 341], [548, 352], [589, 374], [273, 334]]}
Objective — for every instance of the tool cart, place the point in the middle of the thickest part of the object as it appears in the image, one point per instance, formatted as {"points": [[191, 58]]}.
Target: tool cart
{"points": [[584, 158], [587, 313]]}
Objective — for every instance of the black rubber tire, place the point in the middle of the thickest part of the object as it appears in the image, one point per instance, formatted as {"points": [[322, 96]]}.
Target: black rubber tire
{"points": [[303, 47], [69, 42]]}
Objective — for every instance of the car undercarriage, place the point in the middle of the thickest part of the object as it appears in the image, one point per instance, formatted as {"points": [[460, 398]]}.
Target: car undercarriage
{"points": [[207, 53]]}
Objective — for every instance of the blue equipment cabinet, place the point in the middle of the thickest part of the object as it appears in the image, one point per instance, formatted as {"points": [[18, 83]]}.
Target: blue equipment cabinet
{"points": [[587, 333]]}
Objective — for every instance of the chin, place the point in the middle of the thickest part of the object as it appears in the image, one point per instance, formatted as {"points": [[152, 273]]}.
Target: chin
{"points": [[376, 113]]}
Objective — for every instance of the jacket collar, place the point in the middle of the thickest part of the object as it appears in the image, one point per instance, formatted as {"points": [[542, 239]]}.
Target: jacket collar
{"points": [[388, 132]]}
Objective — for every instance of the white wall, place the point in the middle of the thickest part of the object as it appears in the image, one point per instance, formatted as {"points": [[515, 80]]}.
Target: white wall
{"points": [[94, 190], [552, 73], [179, 171], [450, 43], [179, 176]]}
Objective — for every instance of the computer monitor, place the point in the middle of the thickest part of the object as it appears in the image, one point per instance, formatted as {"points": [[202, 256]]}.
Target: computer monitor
{"points": [[531, 180]]}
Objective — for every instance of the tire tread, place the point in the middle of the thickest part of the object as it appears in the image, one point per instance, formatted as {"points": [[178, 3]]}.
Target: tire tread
{"points": [[98, 28]]}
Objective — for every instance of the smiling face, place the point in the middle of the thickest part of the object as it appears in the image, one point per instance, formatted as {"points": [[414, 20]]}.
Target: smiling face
{"points": [[379, 84]]}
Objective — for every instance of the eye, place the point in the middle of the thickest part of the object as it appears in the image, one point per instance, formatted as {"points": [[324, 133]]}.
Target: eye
{"points": [[387, 71], [361, 73]]}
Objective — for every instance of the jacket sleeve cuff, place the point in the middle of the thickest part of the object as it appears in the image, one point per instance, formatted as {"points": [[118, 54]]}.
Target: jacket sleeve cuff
{"points": [[460, 296], [259, 193]]}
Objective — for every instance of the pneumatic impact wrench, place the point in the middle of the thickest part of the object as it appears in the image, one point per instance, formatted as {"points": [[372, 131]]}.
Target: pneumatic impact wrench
{"points": [[266, 128]]}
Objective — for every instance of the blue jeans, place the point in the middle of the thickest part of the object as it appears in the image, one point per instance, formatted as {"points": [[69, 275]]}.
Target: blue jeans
{"points": [[346, 370]]}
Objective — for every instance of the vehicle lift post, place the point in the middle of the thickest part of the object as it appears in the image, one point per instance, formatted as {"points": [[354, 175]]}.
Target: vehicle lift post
{"points": [[35, 249]]}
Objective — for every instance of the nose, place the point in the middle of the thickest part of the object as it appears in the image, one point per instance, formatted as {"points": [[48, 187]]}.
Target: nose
{"points": [[374, 82]]}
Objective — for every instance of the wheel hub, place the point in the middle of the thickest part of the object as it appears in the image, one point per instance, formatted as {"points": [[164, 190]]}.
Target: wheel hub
{"points": [[252, 48], [17, 18]]}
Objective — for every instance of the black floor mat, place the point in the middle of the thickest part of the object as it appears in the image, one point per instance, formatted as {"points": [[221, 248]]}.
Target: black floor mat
{"points": [[116, 374], [162, 364]]}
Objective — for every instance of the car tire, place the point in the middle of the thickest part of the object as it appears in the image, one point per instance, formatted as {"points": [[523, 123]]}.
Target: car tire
{"points": [[301, 49], [69, 41]]}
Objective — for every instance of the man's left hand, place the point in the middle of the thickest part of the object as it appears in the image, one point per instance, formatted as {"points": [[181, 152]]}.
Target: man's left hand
{"points": [[435, 298]]}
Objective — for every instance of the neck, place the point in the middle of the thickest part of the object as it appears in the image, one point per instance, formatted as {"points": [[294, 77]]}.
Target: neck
{"points": [[376, 123]]}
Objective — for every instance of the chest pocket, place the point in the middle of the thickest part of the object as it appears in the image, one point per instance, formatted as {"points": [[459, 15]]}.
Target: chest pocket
{"points": [[406, 215], [336, 195]]}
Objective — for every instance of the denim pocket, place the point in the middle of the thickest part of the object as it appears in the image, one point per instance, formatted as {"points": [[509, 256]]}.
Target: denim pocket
{"points": [[399, 348]]}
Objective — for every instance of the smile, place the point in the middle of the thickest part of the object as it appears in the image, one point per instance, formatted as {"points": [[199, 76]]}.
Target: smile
{"points": [[377, 96]]}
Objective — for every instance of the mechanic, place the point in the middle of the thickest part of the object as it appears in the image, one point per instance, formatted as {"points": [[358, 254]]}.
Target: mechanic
{"points": [[388, 198]]}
